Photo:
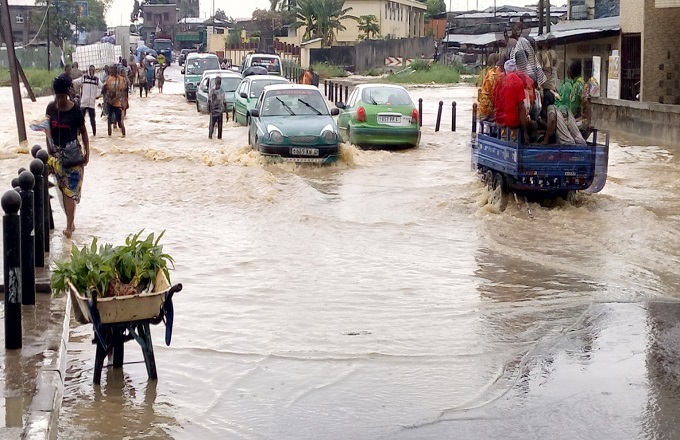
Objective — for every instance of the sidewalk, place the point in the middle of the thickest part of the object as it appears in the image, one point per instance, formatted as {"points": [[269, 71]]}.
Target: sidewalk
{"points": [[32, 378]]}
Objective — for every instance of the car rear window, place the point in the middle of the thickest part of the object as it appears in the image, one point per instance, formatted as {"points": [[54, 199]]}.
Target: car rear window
{"points": [[386, 95], [294, 103], [271, 64], [257, 86], [230, 83]]}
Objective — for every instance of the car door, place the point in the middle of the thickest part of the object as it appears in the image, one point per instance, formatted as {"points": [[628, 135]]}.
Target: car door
{"points": [[346, 115], [239, 103], [202, 94], [255, 128]]}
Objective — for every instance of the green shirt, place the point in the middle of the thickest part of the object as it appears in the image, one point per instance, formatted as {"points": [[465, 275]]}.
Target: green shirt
{"points": [[575, 97], [565, 93]]}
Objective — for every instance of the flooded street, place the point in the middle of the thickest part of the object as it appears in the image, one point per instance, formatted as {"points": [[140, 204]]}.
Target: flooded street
{"points": [[378, 297]]}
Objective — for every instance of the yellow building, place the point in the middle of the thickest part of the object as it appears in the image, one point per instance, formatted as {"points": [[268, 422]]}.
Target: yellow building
{"points": [[396, 19]]}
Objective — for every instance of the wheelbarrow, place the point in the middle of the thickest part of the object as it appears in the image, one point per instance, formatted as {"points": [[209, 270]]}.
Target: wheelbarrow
{"points": [[117, 320]]}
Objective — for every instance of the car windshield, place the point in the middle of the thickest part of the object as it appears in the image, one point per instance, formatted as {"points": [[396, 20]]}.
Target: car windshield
{"points": [[294, 103], [271, 64], [197, 66], [229, 83], [162, 45], [257, 86], [385, 96]]}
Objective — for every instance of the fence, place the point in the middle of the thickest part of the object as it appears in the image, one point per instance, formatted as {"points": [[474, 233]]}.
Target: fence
{"points": [[33, 57]]}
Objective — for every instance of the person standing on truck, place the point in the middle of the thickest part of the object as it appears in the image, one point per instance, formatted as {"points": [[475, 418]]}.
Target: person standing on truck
{"points": [[511, 110], [91, 89], [216, 104], [559, 129]]}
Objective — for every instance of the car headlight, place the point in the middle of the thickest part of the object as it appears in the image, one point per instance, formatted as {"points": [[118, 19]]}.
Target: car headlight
{"points": [[329, 136], [276, 136]]}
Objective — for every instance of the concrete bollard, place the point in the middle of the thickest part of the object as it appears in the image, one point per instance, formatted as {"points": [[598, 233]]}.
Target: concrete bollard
{"points": [[420, 112], [11, 231], [43, 156], [453, 116], [36, 168], [26, 182], [439, 115], [474, 118]]}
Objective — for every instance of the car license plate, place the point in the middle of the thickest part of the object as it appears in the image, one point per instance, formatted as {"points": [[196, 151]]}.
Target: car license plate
{"points": [[298, 151], [389, 119]]}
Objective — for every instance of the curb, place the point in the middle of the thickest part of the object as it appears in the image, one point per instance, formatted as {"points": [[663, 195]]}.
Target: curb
{"points": [[43, 413]]}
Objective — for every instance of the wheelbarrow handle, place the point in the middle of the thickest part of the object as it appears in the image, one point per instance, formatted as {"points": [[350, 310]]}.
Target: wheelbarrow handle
{"points": [[176, 288]]}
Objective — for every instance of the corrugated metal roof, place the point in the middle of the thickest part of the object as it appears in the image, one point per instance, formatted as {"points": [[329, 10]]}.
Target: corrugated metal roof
{"points": [[22, 3], [559, 30]]}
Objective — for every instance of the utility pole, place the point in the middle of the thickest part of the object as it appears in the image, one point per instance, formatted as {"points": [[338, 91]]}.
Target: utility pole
{"points": [[48, 36], [541, 6], [13, 73], [547, 15]]}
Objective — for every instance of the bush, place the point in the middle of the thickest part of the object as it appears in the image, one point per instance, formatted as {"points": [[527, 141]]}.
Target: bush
{"points": [[325, 70], [37, 78], [373, 72], [437, 74], [419, 65]]}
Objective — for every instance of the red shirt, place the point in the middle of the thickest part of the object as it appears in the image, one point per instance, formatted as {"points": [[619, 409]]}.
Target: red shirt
{"points": [[510, 92]]}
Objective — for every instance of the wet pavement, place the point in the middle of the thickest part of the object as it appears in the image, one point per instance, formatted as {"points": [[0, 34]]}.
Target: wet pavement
{"points": [[380, 297]]}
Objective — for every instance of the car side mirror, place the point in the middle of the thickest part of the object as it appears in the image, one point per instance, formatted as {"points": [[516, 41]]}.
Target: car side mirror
{"points": [[182, 71], [335, 112], [340, 104], [255, 113], [204, 89], [243, 95]]}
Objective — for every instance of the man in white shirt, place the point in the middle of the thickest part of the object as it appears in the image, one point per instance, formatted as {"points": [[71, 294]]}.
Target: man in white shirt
{"points": [[91, 89]]}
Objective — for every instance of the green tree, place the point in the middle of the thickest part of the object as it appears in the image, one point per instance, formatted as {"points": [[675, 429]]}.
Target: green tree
{"points": [[434, 8], [65, 16], [368, 24], [322, 18]]}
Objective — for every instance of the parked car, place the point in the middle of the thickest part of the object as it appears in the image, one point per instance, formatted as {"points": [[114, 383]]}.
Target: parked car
{"points": [[196, 64], [230, 81], [379, 115], [270, 62], [292, 122], [183, 55], [247, 93]]}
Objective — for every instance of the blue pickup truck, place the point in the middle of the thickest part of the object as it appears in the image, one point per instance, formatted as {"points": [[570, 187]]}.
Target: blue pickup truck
{"points": [[553, 170]]}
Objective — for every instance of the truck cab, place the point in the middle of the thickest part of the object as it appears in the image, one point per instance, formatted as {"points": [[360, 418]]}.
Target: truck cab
{"points": [[163, 46]]}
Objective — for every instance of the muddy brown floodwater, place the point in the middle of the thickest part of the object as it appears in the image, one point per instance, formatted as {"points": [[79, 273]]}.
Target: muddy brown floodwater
{"points": [[367, 299]]}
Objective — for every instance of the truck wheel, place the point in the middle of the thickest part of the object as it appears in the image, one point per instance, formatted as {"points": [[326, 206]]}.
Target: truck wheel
{"points": [[488, 179], [572, 197], [500, 196]]}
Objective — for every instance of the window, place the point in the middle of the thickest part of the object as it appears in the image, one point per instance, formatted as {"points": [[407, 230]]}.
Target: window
{"points": [[19, 19], [386, 3], [166, 16]]}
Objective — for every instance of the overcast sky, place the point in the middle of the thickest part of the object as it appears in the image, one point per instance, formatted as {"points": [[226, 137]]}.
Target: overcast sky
{"points": [[119, 13]]}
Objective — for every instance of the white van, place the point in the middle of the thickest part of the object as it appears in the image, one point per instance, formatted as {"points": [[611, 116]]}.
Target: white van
{"points": [[270, 62]]}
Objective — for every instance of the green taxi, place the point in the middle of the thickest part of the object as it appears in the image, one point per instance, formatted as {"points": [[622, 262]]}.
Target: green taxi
{"points": [[247, 93], [230, 81], [379, 116], [196, 64]]}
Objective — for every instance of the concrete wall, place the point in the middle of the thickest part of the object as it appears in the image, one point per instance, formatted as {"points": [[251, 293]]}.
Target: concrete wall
{"points": [[632, 16], [650, 120], [373, 53], [660, 55]]}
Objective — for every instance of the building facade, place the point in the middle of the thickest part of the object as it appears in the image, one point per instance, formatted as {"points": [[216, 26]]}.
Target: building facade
{"points": [[159, 19], [21, 14], [650, 61]]}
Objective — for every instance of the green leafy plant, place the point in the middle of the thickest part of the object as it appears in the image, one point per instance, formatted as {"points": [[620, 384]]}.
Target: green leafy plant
{"points": [[104, 270]]}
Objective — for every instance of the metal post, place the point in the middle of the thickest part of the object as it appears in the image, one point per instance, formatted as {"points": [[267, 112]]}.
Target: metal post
{"points": [[474, 118], [335, 93], [453, 116], [346, 93], [541, 7], [26, 182], [325, 87], [13, 74], [340, 93], [547, 15], [330, 91], [48, 36], [36, 168], [420, 112], [439, 115], [11, 227]]}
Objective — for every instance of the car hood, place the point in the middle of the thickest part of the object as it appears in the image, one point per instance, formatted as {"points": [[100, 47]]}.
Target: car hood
{"points": [[299, 125]]}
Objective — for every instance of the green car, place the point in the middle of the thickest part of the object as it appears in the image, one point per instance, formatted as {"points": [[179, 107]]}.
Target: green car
{"points": [[196, 64], [230, 81], [247, 93], [379, 116], [291, 122]]}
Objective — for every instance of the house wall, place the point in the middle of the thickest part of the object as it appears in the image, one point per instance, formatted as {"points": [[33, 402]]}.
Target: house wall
{"points": [[632, 16], [660, 56], [657, 122], [396, 18]]}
